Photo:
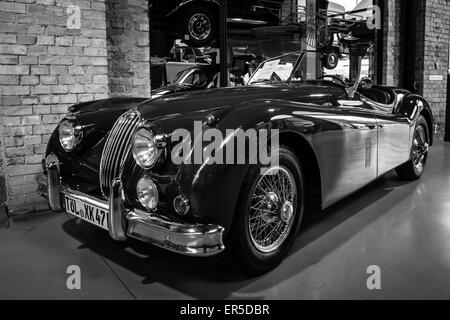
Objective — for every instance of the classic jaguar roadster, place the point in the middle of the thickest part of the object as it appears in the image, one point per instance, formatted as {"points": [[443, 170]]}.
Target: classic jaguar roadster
{"points": [[110, 162]]}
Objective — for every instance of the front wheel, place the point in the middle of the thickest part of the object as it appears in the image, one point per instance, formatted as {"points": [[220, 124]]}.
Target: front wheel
{"points": [[269, 214], [413, 169]]}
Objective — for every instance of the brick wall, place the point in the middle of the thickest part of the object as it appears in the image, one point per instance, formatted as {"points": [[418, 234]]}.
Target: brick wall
{"points": [[392, 66], [436, 56], [46, 67], [431, 49], [128, 47]]}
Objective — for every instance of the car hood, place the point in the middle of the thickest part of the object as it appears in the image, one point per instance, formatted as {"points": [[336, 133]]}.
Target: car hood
{"points": [[173, 88], [106, 105], [205, 100]]}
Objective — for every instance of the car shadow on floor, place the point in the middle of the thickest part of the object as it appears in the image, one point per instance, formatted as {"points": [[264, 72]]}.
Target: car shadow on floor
{"points": [[218, 277]]}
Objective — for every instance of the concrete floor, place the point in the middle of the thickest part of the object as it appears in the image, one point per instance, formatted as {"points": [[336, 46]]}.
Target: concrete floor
{"points": [[402, 227]]}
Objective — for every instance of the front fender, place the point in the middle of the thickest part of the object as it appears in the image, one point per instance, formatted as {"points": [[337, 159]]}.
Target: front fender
{"points": [[214, 189], [81, 166], [96, 118]]}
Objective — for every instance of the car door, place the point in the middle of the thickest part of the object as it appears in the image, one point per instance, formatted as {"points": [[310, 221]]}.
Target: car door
{"points": [[394, 135], [346, 148], [394, 140]]}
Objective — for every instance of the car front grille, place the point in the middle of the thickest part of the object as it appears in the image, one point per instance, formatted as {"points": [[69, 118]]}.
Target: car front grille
{"points": [[117, 149]]}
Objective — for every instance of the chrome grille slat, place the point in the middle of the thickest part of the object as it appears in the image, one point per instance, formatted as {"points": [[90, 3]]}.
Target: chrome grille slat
{"points": [[121, 136], [121, 148], [117, 149], [112, 152], [115, 140]]}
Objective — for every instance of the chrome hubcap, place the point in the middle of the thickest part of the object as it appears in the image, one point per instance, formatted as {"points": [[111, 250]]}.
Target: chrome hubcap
{"points": [[420, 148], [269, 206], [271, 213], [199, 26], [287, 210]]}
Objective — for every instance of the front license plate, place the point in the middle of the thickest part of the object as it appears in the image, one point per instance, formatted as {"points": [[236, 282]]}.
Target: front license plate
{"points": [[87, 212]]}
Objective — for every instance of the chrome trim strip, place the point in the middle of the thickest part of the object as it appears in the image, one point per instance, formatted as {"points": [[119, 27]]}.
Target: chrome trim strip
{"points": [[183, 238]]}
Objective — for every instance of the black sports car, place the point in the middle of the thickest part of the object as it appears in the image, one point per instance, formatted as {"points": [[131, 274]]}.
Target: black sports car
{"points": [[126, 165]]}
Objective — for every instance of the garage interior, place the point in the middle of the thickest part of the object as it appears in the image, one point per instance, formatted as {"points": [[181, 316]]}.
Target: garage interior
{"points": [[45, 67]]}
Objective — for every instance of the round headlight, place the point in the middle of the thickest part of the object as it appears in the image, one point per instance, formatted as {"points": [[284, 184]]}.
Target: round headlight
{"points": [[69, 135], [145, 150], [147, 193]]}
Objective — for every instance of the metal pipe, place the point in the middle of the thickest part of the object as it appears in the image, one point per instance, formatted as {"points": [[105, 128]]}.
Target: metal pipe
{"points": [[223, 44]]}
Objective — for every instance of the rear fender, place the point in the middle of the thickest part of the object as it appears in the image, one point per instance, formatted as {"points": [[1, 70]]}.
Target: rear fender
{"points": [[412, 106]]}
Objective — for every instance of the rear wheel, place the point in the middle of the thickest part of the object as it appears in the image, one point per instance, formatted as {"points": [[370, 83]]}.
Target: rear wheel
{"points": [[269, 214], [413, 169]]}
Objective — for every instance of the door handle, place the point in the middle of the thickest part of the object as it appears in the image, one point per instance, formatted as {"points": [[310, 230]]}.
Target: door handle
{"points": [[351, 103]]}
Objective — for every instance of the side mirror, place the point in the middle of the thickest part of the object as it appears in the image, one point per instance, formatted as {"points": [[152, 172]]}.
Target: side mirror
{"points": [[366, 83]]}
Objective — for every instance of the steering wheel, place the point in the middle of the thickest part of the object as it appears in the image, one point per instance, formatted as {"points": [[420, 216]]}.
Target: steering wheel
{"points": [[335, 79]]}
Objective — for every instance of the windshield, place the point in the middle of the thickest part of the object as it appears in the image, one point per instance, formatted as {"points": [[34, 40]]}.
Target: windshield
{"points": [[279, 69]]}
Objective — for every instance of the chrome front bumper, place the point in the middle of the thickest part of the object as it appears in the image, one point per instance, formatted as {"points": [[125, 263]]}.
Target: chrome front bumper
{"points": [[187, 239]]}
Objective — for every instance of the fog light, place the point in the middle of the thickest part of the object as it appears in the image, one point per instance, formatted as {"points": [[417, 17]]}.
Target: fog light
{"points": [[147, 193], [181, 205]]}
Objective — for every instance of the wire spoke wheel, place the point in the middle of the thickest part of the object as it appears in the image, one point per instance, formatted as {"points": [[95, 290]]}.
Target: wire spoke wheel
{"points": [[272, 209], [199, 26], [421, 141], [420, 148]]}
